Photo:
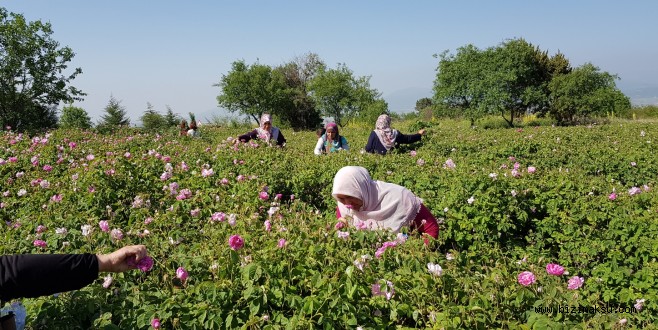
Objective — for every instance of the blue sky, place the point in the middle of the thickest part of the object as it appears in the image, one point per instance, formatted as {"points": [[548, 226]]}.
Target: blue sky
{"points": [[172, 52]]}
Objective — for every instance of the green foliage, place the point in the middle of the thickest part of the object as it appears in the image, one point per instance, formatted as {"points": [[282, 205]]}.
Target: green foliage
{"points": [[585, 92], [74, 117], [32, 71], [340, 95], [518, 220], [509, 79], [643, 112], [170, 118], [253, 90], [114, 117], [299, 111], [424, 108], [152, 120]]}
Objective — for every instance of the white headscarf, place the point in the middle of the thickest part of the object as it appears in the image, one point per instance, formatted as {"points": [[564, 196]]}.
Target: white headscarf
{"points": [[266, 135], [385, 205], [384, 132]]}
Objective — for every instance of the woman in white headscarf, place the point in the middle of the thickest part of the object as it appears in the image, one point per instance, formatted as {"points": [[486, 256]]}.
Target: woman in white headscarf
{"points": [[266, 132], [384, 138], [376, 205]]}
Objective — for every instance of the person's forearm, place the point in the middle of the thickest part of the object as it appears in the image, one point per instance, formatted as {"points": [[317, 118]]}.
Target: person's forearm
{"points": [[33, 275]]}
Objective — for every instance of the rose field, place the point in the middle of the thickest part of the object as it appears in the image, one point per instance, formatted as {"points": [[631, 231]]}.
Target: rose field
{"points": [[541, 227]]}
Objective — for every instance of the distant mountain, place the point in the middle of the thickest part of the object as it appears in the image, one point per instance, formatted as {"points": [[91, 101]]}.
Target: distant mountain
{"points": [[641, 95], [404, 100]]}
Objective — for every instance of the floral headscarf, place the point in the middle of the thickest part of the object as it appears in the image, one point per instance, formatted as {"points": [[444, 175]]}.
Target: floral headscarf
{"points": [[264, 134], [384, 131]]}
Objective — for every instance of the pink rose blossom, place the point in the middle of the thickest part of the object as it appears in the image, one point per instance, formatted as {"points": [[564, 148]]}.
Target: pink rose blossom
{"points": [[263, 195], [526, 278], [236, 242], [40, 243], [612, 196], [145, 264], [634, 191], [268, 225], [105, 226], [554, 269], [639, 304], [182, 274], [116, 234], [575, 283], [531, 169], [218, 216], [339, 225], [282, 243], [155, 323]]}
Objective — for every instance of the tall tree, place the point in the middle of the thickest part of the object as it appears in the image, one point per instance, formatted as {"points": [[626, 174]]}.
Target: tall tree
{"points": [[171, 119], [115, 116], [74, 117], [509, 79], [32, 78], [584, 92], [299, 111], [252, 90], [151, 119], [339, 94]]}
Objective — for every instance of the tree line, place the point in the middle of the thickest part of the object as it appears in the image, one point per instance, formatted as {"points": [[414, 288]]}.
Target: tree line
{"points": [[510, 79]]}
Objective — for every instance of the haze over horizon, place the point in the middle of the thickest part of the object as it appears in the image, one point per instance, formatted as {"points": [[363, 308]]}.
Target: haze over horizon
{"points": [[171, 53]]}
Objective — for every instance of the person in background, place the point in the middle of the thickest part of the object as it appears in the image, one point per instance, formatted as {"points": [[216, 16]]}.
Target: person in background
{"points": [[34, 275], [379, 205], [194, 130], [331, 141], [383, 139], [183, 127], [265, 132]]}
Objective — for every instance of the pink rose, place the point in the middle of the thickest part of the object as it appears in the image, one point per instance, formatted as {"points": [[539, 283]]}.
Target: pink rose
{"points": [[526, 278], [236, 242], [555, 269]]}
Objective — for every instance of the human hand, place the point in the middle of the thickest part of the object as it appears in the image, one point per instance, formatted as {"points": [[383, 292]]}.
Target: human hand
{"points": [[422, 132], [118, 261]]}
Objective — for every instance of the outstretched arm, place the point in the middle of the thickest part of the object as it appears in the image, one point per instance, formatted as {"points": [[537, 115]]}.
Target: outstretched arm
{"points": [[34, 275]]}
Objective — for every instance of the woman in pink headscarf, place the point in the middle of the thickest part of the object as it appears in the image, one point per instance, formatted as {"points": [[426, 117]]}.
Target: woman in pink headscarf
{"points": [[330, 141], [383, 139], [379, 205], [265, 132]]}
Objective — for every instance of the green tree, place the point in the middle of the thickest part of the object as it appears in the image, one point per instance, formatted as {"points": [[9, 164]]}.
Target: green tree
{"points": [[340, 95], [171, 119], [151, 119], [424, 108], [253, 90], [510, 79], [299, 110], [74, 117], [115, 116], [32, 78], [585, 92]]}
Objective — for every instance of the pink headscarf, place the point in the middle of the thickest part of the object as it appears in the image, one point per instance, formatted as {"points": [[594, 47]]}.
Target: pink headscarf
{"points": [[384, 132], [333, 126], [385, 205]]}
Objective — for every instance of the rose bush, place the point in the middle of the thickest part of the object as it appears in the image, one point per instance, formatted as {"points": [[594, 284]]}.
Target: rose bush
{"points": [[508, 202]]}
